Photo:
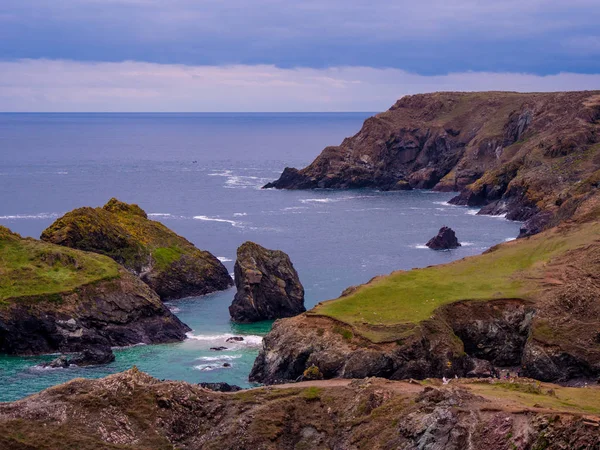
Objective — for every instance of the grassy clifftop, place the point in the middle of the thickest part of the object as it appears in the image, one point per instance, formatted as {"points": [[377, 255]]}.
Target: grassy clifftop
{"points": [[167, 262], [30, 268]]}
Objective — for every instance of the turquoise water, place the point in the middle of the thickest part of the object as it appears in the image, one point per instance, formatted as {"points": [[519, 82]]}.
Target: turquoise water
{"points": [[201, 175]]}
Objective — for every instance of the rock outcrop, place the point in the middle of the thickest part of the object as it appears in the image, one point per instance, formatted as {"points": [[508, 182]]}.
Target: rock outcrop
{"points": [[134, 410], [534, 157], [56, 299], [168, 263], [267, 284], [445, 240], [533, 303]]}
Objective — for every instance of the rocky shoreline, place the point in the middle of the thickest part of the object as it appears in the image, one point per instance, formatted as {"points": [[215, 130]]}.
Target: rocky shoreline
{"points": [[533, 157]]}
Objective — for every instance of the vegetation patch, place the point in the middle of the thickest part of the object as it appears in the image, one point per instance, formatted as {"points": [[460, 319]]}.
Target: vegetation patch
{"points": [[42, 271]]}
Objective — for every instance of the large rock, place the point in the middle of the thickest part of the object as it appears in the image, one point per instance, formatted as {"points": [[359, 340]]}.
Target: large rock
{"points": [[56, 299], [445, 240], [267, 284], [513, 153], [168, 263]]}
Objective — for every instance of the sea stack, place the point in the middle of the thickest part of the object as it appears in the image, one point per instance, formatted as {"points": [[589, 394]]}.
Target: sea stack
{"points": [[445, 240], [170, 264], [267, 285]]}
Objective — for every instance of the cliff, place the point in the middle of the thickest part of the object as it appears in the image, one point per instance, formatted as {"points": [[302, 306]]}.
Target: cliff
{"points": [[132, 410], [267, 284], [56, 299], [533, 303], [168, 263], [534, 157]]}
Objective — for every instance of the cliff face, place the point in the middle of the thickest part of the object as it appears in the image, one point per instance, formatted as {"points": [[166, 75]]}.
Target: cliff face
{"points": [[267, 284], [132, 410], [533, 303], [55, 299], [535, 157], [168, 263]]}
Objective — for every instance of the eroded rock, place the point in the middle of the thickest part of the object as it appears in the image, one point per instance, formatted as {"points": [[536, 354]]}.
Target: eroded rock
{"points": [[267, 284], [445, 240]]}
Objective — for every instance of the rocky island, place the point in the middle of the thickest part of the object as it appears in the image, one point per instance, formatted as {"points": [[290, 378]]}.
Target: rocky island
{"points": [[533, 157], [57, 299], [171, 265], [267, 284]]}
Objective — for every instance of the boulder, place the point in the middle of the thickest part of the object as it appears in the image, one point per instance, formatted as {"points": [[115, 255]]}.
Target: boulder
{"points": [[445, 240], [234, 339], [267, 285], [61, 362], [93, 357], [220, 387], [167, 262]]}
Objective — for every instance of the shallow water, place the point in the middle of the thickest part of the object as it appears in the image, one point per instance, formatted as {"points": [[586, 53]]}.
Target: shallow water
{"points": [[200, 174]]}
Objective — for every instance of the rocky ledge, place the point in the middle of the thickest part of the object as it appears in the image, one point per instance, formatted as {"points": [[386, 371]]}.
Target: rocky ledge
{"points": [[132, 410], [167, 262], [534, 157], [532, 303], [56, 299], [267, 284]]}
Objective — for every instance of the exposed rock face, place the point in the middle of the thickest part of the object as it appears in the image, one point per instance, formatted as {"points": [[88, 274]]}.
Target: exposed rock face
{"points": [[114, 313], [267, 284], [97, 304], [168, 263], [221, 387], [464, 339], [445, 240], [530, 156], [134, 410]]}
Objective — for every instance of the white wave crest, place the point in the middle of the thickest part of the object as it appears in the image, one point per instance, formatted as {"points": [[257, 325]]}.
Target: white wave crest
{"points": [[419, 246], [219, 358], [31, 216], [209, 367], [240, 214], [472, 212], [331, 199], [233, 223], [249, 340], [224, 259]]}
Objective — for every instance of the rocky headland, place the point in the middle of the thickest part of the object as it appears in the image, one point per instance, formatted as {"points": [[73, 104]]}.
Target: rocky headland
{"points": [[171, 265], [57, 299], [534, 157], [267, 284], [132, 410], [533, 303]]}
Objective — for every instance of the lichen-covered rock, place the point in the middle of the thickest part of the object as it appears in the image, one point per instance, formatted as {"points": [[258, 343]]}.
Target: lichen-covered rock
{"points": [[168, 263], [512, 153], [57, 299], [445, 240], [267, 284]]}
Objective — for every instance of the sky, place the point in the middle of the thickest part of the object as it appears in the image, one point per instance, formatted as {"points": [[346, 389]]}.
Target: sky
{"points": [[285, 55]]}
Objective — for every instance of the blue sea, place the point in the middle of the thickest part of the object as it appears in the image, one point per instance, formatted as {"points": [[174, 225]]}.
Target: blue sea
{"points": [[201, 175]]}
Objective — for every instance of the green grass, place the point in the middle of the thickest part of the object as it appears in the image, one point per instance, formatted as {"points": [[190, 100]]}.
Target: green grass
{"points": [[389, 306], [580, 400], [165, 256], [30, 268]]}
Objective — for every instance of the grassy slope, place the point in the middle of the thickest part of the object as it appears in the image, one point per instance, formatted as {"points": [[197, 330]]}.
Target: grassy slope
{"points": [[34, 268], [510, 270], [122, 221]]}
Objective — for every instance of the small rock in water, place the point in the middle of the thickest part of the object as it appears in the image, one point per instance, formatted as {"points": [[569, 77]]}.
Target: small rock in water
{"points": [[235, 339], [94, 356], [59, 363], [221, 387], [218, 349], [445, 240], [226, 365]]}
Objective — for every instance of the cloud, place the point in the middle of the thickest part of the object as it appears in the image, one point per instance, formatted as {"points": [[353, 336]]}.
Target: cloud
{"points": [[426, 36], [59, 85]]}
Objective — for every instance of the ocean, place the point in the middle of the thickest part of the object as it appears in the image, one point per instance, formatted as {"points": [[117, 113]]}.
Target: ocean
{"points": [[200, 175]]}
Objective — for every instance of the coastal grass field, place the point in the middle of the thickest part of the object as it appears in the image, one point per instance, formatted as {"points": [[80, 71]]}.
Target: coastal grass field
{"points": [[31, 268], [378, 309]]}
